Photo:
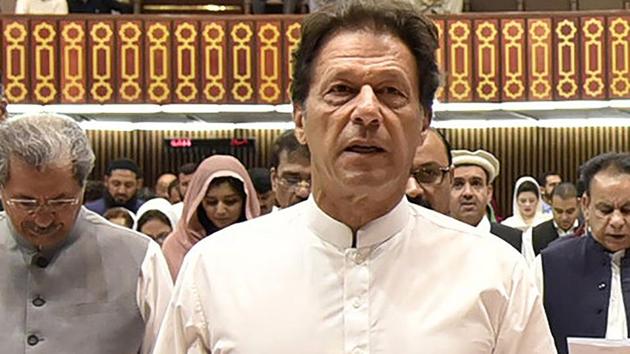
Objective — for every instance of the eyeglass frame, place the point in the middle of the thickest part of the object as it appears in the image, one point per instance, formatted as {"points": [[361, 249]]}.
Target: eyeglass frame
{"points": [[443, 169], [62, 204], [284, 182]]}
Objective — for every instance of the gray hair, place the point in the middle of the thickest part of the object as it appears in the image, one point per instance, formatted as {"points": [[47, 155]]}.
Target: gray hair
{"points": [[45, 139]]}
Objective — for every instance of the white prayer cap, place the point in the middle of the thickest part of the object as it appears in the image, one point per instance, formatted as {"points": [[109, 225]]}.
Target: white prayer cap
{"points": [[480, 158]]}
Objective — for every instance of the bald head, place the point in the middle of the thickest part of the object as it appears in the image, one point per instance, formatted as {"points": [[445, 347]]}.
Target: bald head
{"points": [[162, 183]]}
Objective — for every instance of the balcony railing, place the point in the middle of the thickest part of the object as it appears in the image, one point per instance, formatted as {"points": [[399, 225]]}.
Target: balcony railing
{"points": [[494, 57]]}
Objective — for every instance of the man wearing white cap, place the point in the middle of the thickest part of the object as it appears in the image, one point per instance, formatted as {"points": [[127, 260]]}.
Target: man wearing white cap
{"points": [[471, 191]]}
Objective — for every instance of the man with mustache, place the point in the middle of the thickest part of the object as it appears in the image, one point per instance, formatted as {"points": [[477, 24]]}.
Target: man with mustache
{"points": [[430, 181], [70, 281], [122, 182], [471, 193], [585, 280], [356, 268]]}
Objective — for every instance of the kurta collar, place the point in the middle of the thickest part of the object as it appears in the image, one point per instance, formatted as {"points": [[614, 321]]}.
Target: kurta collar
{"points": [[30, 253], [375, 232], [484, 224]]}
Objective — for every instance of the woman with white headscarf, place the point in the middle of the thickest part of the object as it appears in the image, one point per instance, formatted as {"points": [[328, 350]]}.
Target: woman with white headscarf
{"points": [[156, 219], [527, 213]]}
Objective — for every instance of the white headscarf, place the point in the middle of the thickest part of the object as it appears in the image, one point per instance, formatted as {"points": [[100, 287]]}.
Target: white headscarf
{"points": [[160, 204], [516, 220]]}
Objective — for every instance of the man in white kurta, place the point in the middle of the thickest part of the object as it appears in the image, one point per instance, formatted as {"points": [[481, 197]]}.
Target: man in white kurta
{"points": [[357, 268], [417, 282]]}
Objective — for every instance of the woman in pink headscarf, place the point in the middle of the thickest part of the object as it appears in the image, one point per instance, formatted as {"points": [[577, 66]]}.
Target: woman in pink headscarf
{"points": [[220, 194]]}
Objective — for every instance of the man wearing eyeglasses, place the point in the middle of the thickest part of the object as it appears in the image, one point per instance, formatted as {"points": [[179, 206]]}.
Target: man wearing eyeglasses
{"points": [[290, 170], [471, 193], [430, 181], [70, 282], [585, 280]]}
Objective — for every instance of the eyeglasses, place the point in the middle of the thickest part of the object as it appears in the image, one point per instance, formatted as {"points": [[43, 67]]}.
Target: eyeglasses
{"points": [[31, 206], [294, 182], [430, 174]]}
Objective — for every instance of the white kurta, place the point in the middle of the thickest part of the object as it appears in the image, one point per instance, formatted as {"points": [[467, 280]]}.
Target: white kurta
{"points": [[418, 282]]}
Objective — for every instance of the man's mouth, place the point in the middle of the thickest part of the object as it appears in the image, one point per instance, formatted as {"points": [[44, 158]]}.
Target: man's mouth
{"points": [[43, 231], [364, 149]]}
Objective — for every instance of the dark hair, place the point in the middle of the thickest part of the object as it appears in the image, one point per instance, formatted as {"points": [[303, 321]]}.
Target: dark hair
{"points": [[123, 164], [174, 184], [238, 186], [153, 214], [118, 212], [187, 168], [93, 190], [613, 161], [261, 179], [542, 180], [565, 190], [289, 143], [400, 18], [528, 186], [447, 146]]}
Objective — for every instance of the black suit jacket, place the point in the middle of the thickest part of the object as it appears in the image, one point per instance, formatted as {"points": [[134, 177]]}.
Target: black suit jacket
{"points": [[508, 234], [543, 234]]}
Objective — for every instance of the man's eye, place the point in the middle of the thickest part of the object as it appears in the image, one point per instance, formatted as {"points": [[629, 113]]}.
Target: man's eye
{"points": [[340, 89]]}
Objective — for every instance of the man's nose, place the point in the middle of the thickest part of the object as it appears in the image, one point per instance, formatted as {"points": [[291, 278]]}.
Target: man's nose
{"points": [[366, 111], [302, 190], [43, 218], [413, 189]]}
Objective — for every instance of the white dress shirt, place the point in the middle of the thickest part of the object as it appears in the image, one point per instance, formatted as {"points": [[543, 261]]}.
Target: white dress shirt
{"points": [[484, 225], [616, 327], [417, 282], [153, 294], [562, 233]]}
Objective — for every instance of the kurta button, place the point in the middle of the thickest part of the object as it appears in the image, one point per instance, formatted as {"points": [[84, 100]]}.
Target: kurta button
{"points": [[599, 311], [38, 302], [601, 286], [356, 303], [32, 339]]}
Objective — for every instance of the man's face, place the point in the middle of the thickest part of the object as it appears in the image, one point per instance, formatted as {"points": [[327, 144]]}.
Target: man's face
{"points": [[51, 189], [122, 185], [184, 181], [470, 194], [431, 155], [291, 181], [565, 211], [362, 119], [266, 201], [550, 183], [607, 209], [161, 186]]}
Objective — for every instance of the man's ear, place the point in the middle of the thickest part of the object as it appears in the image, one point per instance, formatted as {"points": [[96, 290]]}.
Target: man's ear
{"points": [[299, 119], [585, 202], [426, 121], [490, 191], [273, 174]]}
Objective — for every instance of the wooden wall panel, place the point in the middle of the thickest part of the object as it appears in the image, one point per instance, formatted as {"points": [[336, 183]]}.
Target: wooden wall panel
{"points": [[292, 31], [521, 151], [567, 71], [130, 71], [619, 56], [186, 61], [540, 55], [269, 70], [593, 63], [16, 60], [157, 61], [460, 60], [242, 68], [487, 53], [101, 61], [73, 56], [500, 57], [214, 61], [514, 61], [44, 47]]}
